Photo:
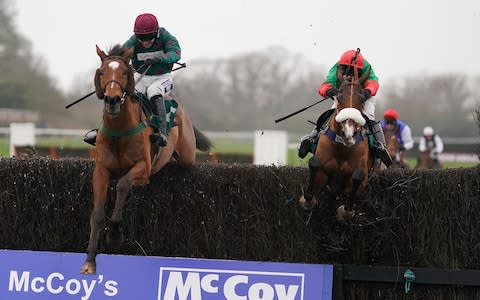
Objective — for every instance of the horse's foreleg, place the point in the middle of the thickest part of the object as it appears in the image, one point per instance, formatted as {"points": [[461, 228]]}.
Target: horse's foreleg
{"points": [[101, 180], [357, 178], [138, 175], [308, 200]]}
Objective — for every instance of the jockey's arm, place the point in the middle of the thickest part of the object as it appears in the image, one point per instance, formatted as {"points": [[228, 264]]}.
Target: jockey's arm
{"points": [[407, 138], [422, 146], [438, 144]]}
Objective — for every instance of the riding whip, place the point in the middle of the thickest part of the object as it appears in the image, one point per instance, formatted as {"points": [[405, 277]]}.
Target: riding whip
{"points": [[299, 111], [182, 65]]}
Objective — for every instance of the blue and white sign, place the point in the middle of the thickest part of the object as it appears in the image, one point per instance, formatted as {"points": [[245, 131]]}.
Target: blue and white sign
{"points": [[26, 275]]}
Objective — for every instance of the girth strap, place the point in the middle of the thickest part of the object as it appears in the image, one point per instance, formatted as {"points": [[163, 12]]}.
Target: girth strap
{"points": [[123, 133]]}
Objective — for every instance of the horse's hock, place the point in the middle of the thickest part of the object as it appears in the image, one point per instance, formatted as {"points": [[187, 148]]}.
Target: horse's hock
{"points": [[409, 217]]}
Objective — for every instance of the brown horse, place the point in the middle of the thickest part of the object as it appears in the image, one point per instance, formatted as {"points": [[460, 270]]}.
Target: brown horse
{"points": [[342, 160], [393, 147], [123, 148], [425, 161]]}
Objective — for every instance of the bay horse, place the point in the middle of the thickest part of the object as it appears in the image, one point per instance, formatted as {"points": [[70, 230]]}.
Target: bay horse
{"points": [[393, 148], [425, 161], [342, 160], [123, 149]]}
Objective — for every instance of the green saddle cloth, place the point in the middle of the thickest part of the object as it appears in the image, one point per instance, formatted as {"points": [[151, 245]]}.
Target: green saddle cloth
{"points": [[154, 121]]}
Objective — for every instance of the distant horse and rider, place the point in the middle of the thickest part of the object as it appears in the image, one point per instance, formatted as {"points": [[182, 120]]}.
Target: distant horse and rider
{"points": [[123, 145], [394, 149], [343, 159]]}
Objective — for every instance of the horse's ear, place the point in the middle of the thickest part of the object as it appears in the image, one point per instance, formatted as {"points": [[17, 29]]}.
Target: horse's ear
{"points": [[98, 88], [128, 53], [365, 76], [101, 53]]}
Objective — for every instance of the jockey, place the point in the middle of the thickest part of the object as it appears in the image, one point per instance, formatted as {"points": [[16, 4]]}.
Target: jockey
{"points": [[402, 130], [430, 140], [157, 50], [329, 89]]}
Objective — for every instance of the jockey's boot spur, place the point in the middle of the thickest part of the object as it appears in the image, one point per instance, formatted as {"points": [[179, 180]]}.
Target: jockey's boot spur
{"points": [[307, 143], [159, 136], [91, 137]]}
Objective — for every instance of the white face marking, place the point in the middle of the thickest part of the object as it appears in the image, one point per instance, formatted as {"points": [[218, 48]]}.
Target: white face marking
{"points": [[113, 65]]}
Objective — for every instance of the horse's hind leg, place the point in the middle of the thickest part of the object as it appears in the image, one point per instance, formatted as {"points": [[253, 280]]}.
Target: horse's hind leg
{"points": [[186, 145]]}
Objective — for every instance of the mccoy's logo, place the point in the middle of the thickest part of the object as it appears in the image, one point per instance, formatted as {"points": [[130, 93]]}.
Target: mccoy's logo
{"points": [[208, 284]]}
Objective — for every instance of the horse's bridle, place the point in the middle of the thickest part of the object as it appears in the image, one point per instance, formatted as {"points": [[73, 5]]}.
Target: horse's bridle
{"points": [[122, 88]]}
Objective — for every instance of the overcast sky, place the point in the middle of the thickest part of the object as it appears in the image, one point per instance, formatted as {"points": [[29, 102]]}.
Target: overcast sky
{"points": [[399, 37]]}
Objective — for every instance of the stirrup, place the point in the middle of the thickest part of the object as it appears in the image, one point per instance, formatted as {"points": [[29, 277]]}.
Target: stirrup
{"points": [[91, 137]]}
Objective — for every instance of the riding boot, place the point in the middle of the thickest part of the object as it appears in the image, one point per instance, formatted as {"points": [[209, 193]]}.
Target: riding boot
{"points": [[159, 136], [307, 143], [91, 137], [381, 149]]}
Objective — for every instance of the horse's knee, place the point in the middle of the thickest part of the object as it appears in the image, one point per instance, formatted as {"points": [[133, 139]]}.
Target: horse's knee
{"points": [[123, 186], [97, 217]]}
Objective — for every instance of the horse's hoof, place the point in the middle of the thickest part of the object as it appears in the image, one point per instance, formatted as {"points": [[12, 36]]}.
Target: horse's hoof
{"points": [[88, 268], [345, 215], [307, 205]]}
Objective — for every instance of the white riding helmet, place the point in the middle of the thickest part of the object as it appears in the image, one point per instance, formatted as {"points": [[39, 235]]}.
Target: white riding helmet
{"points": [[428, 130]]}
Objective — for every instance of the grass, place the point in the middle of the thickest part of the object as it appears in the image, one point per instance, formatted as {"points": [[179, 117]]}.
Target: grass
{"points": [[221, 146]]}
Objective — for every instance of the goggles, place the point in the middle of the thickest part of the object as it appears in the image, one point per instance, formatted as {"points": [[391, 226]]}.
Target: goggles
{"points": [[391, 122], [146, 37]]}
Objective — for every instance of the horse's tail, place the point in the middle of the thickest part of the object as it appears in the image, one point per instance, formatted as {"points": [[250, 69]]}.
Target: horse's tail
{"points": [[203, 143]]}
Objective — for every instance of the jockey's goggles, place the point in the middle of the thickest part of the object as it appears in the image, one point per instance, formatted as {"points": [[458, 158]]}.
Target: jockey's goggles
{"points": [[146, 37], [391, 122]]}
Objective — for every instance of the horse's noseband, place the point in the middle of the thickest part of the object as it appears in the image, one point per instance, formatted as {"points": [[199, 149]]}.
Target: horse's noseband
{"points": [[124, 93]]}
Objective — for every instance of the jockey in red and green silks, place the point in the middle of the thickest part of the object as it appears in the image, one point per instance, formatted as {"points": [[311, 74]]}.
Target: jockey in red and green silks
{"points": [[329, 88]]}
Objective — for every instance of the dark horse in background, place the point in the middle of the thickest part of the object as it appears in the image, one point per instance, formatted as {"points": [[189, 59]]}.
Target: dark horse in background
{"points": [[393, 147], [340, 166], [123, 148]]}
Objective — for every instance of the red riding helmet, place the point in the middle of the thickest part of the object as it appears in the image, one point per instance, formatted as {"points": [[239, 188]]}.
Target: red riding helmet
{"points": [[346, 59], [390, 114], [145, 24]]}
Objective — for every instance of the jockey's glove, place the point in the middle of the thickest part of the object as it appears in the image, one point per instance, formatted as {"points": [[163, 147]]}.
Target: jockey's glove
{"points": [[402, 148], [367, 94], [151, 61], [331, 92]]}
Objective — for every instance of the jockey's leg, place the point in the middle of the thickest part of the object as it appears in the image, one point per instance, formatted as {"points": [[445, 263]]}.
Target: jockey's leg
{"points": [[308, 142], [159, 135], [381, 149], [91, 137], [156, 91]]}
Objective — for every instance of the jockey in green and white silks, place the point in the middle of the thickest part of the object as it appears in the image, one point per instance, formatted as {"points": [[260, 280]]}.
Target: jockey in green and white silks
{"points": [[156, 50]]}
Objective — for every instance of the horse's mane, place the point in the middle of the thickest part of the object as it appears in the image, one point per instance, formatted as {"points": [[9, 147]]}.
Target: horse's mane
{"points": [[116, 50]]}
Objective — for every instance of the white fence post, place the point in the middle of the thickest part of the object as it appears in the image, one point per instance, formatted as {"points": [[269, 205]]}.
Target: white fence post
{"points": [[22, 134], [270, 147]]}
